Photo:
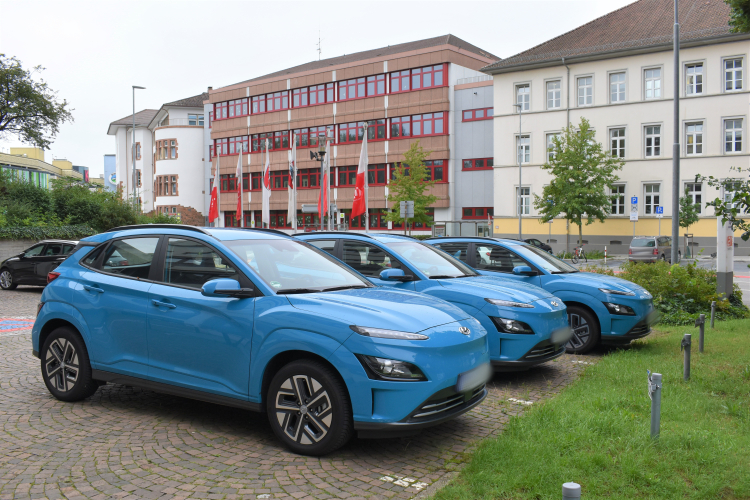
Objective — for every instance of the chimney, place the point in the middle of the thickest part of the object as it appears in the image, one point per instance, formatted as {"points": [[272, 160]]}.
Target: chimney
{"points": [[210, 89]]}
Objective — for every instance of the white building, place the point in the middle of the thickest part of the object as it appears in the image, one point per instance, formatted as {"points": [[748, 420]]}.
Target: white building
{"points": [[617, 72]]}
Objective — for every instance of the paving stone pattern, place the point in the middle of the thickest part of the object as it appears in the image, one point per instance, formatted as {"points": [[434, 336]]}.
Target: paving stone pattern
{"points": [[125, 442]]}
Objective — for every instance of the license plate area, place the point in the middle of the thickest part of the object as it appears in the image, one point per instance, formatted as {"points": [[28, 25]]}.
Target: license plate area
{"points": [[468, 381]]}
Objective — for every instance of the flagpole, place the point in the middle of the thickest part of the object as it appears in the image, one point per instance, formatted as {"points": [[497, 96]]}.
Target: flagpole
{"points": [[367, 187], [242, 202], [294, 182]]}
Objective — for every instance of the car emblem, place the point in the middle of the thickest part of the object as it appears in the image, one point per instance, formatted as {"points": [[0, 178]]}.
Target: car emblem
{"points": [[555, 303], [464, 330]]}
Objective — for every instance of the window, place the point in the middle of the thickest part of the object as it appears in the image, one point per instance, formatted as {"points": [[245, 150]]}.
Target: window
{"points": [[553, 94], [130, 257], [166, 149], [400, 81], [191, 264], [237, 144], [586, 91], [34, 251], [524, 202], [652, 84], [276, 141], [368, 259], [198, 119], [376, 174], [496, 258], [138, 178], [375, 85], [348, 175], [228, 183], [476, 212], [523, 146], [307, 178], [653, 141], [437, 170], [355, 131], [617, 87], [279, 179], [694, 79], [478, 164], [352, 89], [733, 74], [617, 142], [733, 136], [137, 150], [220, 109], [694, 190], [523, 96], [470, 115], [172, 149], [254, 184], [551, 146], [418, 125], [651, 196], [221, 146], [618, 200], [456, 250], [694, 138], [312, 96], [417, 79]]}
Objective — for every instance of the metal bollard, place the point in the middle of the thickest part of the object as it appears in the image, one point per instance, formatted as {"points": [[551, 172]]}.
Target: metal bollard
{"points": [[571, 491], [713, 312], [654, 394], [701, 322], [685, 346]]}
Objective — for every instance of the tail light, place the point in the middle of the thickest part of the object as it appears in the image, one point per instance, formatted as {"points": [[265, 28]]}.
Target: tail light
{"points": [[52, 276], [630, 251], [656, 251], [39, 307]]}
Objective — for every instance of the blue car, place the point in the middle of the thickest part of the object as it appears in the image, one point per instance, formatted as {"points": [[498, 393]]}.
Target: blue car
{"points": [[527, 326], [258, 320], [601, 309]]}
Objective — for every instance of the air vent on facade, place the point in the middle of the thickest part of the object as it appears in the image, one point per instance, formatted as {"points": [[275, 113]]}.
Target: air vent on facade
{"points": [[615, 242], [694, 244], [551, 241]]}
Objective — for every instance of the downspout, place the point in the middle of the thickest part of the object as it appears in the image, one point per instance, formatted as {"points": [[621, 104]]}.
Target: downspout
{"points": [[567, 124]]}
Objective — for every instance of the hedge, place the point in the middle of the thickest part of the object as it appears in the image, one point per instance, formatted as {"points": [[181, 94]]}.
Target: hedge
{"points": [[43, 233]]}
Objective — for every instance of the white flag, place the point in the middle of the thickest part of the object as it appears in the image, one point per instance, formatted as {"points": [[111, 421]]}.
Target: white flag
{"points": [[291, 212], [266, 215], [240, 213]]}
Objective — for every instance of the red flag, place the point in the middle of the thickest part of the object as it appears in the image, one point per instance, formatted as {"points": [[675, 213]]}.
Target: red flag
{"points": [[213, 211], [359, 206]]}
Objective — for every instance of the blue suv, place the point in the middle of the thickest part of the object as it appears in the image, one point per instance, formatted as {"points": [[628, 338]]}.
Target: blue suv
{"points": [[601, 309], [258, 320], [527, 326]]}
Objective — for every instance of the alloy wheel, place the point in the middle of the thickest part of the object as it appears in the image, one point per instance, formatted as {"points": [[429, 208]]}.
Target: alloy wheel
{"points": [[6, 279], [581, 331], [62, 365], [303, 409]]}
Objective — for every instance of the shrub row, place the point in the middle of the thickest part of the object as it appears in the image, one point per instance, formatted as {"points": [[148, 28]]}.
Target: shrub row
{"points": [[44, 233]]}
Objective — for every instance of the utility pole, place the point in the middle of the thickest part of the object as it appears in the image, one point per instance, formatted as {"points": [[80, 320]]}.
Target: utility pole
{"points": [[134, 172], [676, 145], [519, 200]]}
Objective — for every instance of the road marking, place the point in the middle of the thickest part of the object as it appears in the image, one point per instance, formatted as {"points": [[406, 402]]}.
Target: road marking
{"points": [[15, 324]]}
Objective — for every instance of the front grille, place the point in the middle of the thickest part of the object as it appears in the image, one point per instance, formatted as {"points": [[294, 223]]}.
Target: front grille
{"points": [[639, 329], [444, 403], [544, 349]]}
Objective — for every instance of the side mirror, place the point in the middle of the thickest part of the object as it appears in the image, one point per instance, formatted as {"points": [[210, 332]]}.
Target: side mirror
{"points": [[226, 288], [394, 275], [523, 271]]}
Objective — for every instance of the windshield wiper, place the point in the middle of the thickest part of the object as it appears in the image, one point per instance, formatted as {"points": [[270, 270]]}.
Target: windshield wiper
{"points": [[344, 287], [289, 291], [564, 272], [445, 276]]}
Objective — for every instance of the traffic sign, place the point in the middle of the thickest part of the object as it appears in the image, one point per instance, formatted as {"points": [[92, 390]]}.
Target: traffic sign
{"points": [[633, 200], [660, 212]]}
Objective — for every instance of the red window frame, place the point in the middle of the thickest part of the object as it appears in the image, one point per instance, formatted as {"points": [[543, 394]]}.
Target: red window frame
{"points": [[377, 174], [210, 119], [235, 143], [278, 141], [438, 170], [419, 78], [255, 177], [279, 179], [258, 104], [354, 132], [279, 219], [477, 164], [300, 97], [228, 183], [347, 176], [307, 178], [401, 80], [221, 146], [278, 101], [415, 125], [375, 85], [356, 88], [476, 213], [220, 109], [238, 107], [211, 151], [473, 115]]}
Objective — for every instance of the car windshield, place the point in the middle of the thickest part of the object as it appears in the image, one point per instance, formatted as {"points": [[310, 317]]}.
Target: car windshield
{"points": [[290, 266], [643, 242], [429, 260], [543, 260]]}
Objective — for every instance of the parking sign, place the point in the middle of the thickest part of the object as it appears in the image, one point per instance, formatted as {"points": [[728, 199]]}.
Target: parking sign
{"points": [[633, 200], [660, 212]]}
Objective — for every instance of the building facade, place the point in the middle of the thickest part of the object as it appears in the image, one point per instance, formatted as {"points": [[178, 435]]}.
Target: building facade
{"points": [[110, 172], [618, 73], [404, 92], [28, 163]]}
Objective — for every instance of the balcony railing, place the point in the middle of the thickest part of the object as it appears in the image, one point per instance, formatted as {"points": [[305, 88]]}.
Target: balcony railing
{"points": [[171, 122]]}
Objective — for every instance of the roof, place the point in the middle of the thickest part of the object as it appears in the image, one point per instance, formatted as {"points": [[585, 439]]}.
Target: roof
{"points": [[640, 25], [142, 118], [383, 51], [195, 101]]}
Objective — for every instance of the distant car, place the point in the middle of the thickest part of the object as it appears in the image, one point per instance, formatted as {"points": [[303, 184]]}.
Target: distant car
{"points": [[651, 249], [535, 242], [31, 266]]}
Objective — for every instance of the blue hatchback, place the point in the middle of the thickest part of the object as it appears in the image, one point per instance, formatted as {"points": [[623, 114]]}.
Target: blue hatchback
{"points": [[527, 325], [601, 309], [258, 320]]}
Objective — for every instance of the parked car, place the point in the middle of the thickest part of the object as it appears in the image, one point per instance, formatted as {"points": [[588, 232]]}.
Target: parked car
{"points": [[527, 325], [601, 309], [32, 266], [259, 320], [651, 249], [535, 242]]}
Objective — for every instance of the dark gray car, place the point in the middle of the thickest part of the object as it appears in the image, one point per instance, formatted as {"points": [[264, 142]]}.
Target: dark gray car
{"points": [[31, 266], [651, 249]]}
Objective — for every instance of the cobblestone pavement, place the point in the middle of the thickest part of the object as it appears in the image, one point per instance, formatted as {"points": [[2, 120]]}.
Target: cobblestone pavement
{"points": [[125, 442]]}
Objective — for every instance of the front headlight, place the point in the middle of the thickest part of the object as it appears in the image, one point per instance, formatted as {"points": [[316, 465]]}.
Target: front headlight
{"points": [[390, 369], [616, 292], [619, 309], [511, 326], [380, 333], [508, 303]]}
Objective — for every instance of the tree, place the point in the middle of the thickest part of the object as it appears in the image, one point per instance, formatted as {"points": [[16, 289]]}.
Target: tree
{"points": [[736, 201], [582, 173], [411, 180], [740, 16], [688, 211], [29, 109]]}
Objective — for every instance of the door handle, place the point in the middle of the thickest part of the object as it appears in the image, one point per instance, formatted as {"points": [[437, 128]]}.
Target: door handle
{"points": [[92, 289], [159, 303]]}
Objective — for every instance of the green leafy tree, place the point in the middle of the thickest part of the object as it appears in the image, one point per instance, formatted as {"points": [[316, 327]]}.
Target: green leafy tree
{"points": [[410, 182], [735, 206], [582, 173], [740, 16], [29, 109], [688, 211]]}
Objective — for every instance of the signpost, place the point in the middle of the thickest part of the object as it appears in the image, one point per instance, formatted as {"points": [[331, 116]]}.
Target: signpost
{"points": [[659, 215], [634, 211], [406, 212]]}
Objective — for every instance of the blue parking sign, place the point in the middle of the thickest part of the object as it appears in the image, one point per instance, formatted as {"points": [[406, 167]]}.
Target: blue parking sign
{"points": [[659, 210], [634, 200]]}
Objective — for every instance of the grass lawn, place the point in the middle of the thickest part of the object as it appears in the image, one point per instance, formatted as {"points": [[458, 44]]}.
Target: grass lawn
{"points": [[596, 432]]}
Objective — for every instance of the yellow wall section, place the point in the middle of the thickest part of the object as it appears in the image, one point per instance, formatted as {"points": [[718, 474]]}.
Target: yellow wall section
{"points": [[35, 153]]}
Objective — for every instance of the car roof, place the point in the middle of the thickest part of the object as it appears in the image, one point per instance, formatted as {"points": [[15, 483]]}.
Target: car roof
{"points": [[220, 233], [507, 241], [73, 242], [351, 235]]}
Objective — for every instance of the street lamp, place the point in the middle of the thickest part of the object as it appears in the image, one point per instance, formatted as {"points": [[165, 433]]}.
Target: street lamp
{"points": [[519, 151], [133, 133], [320, 156]]}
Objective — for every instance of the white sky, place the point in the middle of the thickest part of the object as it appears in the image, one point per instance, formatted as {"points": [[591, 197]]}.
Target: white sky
{"points": [[94, 52]]}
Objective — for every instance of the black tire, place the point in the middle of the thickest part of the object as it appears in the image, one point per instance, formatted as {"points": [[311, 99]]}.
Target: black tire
{"points": [[586, 334], [7, 281], [65, 366], [304, 429], [574, 259]]}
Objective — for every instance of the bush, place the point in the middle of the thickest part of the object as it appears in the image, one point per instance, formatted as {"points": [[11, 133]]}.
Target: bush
{"points": [[680, 293], [44, 233]]}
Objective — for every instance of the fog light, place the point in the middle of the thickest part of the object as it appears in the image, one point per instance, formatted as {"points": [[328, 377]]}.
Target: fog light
{"points": [[390, 369]]}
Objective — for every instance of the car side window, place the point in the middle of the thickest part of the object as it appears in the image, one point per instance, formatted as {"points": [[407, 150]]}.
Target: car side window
{"points": [[497, 258], [190, 263], [326, 245], [53, 249], [368, 259], [130, 257], [67, 249], [457, 250], [34, 251]]}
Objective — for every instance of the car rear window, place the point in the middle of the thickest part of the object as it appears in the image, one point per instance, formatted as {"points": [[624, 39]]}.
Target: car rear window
{"points": [[642, 243]]}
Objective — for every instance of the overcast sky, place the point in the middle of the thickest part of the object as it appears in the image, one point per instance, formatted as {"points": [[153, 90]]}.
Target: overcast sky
{"points": [[94, 52]]}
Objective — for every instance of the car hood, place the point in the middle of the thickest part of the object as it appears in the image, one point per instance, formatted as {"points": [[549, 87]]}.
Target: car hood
{"points": [[597, 281], [500, 288], [382, 308]]}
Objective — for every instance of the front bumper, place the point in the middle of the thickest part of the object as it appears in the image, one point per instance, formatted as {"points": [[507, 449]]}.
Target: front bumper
{"points": [[640, 330], [541, 353]]}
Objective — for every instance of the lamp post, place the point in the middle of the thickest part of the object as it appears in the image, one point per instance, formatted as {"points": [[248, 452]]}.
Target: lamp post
{"points": [[320, 156], [133, 133], [519, 205]]}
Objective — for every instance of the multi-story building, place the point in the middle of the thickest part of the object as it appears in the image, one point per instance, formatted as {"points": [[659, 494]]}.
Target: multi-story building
{"points": [[28, 163], [618, 72], [122, 130], [110, 172], [404, 92]]}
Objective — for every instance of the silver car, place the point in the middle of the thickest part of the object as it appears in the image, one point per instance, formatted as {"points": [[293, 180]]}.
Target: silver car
{"points": [[651, 249]]}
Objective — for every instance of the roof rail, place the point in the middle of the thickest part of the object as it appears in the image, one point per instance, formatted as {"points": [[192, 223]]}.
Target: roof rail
{"points": [[264, 229], [475, 237], [334, 232], [159, 226]]}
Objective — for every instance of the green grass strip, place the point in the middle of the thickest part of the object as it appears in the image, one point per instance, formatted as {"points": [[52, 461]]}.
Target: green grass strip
{"points": [[596, 432]]}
